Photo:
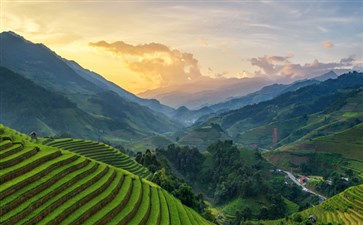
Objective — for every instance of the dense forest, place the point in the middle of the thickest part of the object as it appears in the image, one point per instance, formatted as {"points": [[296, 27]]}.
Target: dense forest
{"points": [[225, 172]]}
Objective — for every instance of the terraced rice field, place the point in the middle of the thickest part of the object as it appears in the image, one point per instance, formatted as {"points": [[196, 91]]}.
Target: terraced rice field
{"points": [[101, 152], [344, 208], [47, 185]]}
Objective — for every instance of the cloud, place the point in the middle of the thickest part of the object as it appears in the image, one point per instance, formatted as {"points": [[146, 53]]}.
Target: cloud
{"points": [[327, 44], [266, 63], [155, 62], [280, 68]]}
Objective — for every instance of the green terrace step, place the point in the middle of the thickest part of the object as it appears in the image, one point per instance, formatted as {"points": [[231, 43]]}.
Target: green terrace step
{"points": [[34, 175], [83, 198], [143, 212], [131, 206], [11, 150], [345, 208], [183, 216], [102, 153], [41, 184], [46, 205], [165, 214], [116, 205], [38, 199], [87, 210], [17, 157], [5, 144], [46, 185], [34, 161], [154, 216], [172, 208]]}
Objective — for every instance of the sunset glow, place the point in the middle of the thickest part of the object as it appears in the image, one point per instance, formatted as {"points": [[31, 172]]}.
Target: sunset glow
{"points": [[145, 44]]}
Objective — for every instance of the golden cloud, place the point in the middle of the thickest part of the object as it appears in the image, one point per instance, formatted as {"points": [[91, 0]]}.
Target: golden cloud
{"points": [[155, 62]]}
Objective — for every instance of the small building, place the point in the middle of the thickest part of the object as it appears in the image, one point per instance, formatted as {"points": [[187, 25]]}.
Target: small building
{"points": [[303, 180], [33, 135], [313, 218]]}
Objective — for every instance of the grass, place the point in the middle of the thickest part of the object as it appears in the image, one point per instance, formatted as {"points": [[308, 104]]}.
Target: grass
{"points": [[155, 206], [136, 196], [54, 186], [100, 152], [143, 211], [118, 201], [164, 210], [343, 208], [291, 206], [231, 207], [172, 208]]}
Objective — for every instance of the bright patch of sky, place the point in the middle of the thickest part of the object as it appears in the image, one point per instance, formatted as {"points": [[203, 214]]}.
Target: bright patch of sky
{"points": [[224, 37]]}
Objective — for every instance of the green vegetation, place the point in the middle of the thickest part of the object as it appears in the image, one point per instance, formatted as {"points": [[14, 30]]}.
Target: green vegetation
{"points": [[100, 152], [238, 181], [48, 185], [164, 177], [344, 208], [201, 137]]}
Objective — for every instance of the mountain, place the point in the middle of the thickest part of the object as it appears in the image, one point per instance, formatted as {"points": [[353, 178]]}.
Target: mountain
{"points": [[308, 122], [126, 120], [204, 91], [291, 105], [326, 76], [106, 85], [189, 117], [49, 185], [315, 110], [266, 93], [30, 107]]}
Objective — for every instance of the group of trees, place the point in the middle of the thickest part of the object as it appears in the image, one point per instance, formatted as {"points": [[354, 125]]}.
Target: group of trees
{"points": [[224, 174], [164, 177], [186, 160], [338, 182], [325, 164], [228, 174]]}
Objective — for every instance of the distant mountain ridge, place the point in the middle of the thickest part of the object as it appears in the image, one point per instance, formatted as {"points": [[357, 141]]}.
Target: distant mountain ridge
{"points": [[264, 94], [304, 101], [101, 82], [205, 91], [93, 95]]}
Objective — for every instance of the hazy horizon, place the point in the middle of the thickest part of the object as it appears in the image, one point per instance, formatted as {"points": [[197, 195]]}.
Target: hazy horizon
{"points": [[146, 45]]}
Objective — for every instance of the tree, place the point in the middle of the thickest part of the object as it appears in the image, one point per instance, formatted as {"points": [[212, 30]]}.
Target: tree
{"points": [[185, 194], [247, 213], [263, 213]]}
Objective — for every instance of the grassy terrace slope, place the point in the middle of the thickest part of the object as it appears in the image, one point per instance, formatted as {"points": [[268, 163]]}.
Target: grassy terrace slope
{"points": [[46, 185], [101, 152], [343, 208]]}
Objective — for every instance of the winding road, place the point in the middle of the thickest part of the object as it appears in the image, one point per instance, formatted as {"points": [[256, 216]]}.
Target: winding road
{"points": [[293, 178]]}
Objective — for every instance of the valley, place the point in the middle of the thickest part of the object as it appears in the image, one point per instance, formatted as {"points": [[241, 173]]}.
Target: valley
{"points": [[181, 112]]}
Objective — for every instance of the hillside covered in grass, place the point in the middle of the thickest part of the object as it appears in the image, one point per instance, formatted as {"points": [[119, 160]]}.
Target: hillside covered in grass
{"points": [[47, 185], [343, 208], [296, 114]]}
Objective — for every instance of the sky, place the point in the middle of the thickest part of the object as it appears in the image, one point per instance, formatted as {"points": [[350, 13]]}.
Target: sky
{"points": [[142, 45]]}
